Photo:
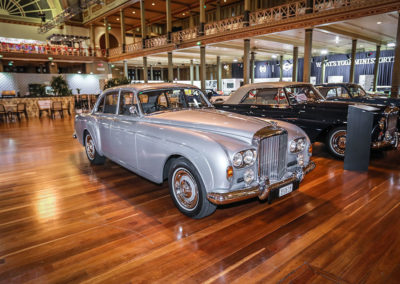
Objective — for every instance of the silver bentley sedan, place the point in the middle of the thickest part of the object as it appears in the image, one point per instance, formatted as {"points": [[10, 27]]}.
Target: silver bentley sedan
{"points": [[209, 157]]}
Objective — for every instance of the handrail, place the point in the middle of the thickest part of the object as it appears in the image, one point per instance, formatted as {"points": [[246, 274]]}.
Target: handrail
{"points": [[278, 13], [224, 25], [156, 41], [115, 51], [323, 5], [133, 47], [186, 34]]}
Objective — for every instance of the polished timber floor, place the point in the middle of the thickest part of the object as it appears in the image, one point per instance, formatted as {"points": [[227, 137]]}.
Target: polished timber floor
{"points": [[62, 220]]}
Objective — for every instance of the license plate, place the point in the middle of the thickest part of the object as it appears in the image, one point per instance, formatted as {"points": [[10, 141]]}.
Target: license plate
{"points": [[285, 190]]}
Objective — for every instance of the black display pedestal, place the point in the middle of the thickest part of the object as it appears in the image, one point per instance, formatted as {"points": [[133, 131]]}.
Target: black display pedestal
{"points": [[358, 137]]}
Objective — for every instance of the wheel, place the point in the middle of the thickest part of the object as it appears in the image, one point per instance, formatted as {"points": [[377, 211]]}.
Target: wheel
{"points": [[187, 190], [94, 157], [336, 142]]}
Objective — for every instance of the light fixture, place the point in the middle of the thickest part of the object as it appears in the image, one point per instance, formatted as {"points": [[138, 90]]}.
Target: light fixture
{"points": [[133, 12], [324, 51], [109, 27], [153, 4], [198, 43], [112, 65], [235, 60], [1, 55], [50, 58], [183, 14], [91, 73], [117, 19], [274, 56], [391, 44], [378, 23], [337, 39], [361, 45], [10, 63], [79, 72]]}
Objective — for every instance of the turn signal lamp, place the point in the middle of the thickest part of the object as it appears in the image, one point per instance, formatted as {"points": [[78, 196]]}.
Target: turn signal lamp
{"points": [[229, 173], [310, 150]]}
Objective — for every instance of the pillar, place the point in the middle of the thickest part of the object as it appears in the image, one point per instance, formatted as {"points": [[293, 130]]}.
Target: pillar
{"points": [[281, 68], [396, 65], [353, 60], [203, 67], [143, 21], [219, 74], [202, 16], [170, 68], [191, 20], [197, 72], [246, 61], [169, 19], [125, 68], [178, 73], [323, 68], [294, 66], [145, 70], [137, 74], [252, 65], [123, 32], [218, 11], [307, 55], [107, 36], [246, 14], [52, 66], [162, 74], [376, 66], [191, 71], [151, 73], [1, 66], [92, 40]]}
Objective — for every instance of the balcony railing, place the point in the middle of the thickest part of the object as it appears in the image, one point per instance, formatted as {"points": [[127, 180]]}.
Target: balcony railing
{"points": [[115, 51], [50, 50], [323, 5], [156, 41], [224, 25], [186, 34], [133, 47], [278, 13]]}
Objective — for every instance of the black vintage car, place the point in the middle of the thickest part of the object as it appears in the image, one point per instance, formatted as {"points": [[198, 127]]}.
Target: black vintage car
{"points": [[303, 105], [353, 92]]}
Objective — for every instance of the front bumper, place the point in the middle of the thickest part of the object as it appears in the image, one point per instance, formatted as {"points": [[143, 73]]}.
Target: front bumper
{"points": [[393, 142], [262, 191]]}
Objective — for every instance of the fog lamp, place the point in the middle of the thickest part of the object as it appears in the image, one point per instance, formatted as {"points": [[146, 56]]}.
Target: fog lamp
{"points": [[387, 135], [300, 160], [248, 176]]}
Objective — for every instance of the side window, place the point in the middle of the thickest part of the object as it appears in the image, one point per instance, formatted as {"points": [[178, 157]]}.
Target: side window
{"points": [[126, 101], [100, 107], [343, 93], [331, 93], [111, 101], [263, 97]]}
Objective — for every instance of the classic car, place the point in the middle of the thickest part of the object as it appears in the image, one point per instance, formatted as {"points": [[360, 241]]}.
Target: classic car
{"points": [[355, 93], [303, 105], [209, 157]]}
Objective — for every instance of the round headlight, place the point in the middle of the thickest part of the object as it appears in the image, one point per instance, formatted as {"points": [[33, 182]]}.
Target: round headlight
{"points": [[301, 144], [248, 157], [293, 146], [237, 160], [248, 176]]}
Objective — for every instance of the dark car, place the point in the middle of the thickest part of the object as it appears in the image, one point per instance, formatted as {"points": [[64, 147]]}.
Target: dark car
{"points": [[354, 93], [303, 105]]}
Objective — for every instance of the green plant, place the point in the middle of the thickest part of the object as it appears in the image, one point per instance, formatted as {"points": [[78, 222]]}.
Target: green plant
{"points": [[60, 86], [116, 82], [42, 90], [78, 90]]}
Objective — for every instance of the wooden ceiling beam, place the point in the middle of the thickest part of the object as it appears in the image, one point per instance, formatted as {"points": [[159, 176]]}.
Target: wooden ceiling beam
{"points": [[349, 34]]}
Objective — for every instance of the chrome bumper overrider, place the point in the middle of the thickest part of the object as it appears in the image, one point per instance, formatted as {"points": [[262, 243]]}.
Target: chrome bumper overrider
{"points": [[74, 136], [262, 190], [394, 142]]}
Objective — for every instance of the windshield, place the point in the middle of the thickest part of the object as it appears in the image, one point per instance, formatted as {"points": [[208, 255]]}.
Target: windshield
{"points": [[302, 93], [171, 99], [357, 91]]}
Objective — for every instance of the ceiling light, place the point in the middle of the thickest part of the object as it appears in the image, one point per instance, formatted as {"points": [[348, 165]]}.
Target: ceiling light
{"points": [[235, 60], [391, 44], [337, 39], [79, 72], [117, 19], [133, 12], [361, 45], [153, 4], [324, 51], [183, 14], [378, 23], [274, 56], [1, 55]]}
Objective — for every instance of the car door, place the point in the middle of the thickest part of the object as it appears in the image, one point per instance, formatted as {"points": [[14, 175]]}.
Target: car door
{"points": [[105, 114], [123, 130]]}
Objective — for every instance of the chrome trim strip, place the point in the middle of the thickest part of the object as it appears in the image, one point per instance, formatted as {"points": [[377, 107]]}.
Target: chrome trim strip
{"points": [[261, 191]]}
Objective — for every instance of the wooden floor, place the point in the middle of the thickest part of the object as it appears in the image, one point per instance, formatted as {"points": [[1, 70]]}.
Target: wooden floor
{"points": [[62, 220]]}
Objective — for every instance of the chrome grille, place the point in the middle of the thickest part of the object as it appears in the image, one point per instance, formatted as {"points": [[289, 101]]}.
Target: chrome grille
{"points": [[272, 156]]}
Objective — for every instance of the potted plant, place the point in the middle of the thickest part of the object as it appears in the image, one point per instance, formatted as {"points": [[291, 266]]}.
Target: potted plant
{"points": [[78, 91], [60, 86], [116, 82]]}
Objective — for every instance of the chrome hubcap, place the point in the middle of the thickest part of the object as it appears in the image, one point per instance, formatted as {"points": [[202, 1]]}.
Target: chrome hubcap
{"points": [[185, 189], [90, 150], [338, 142]]}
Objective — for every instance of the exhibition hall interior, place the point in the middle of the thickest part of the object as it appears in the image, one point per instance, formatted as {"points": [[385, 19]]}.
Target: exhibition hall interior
{"points": [[199, 141]]}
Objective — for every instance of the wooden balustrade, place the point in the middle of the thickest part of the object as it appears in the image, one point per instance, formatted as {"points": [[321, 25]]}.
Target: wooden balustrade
{"points": [[278, 13], [229, 24], [186, 34], [323, 5], [156, 41], [133, 47]]}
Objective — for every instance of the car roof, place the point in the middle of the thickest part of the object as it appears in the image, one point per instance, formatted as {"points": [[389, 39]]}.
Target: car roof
{"points": [[335, 84], [152, 86]]}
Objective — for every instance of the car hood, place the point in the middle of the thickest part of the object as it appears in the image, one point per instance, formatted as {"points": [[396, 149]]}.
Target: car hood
{"points": [[212, 120]]}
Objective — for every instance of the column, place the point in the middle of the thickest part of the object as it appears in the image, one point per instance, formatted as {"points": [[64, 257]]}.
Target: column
{"points": [[178, 73], [123, 32], [191, 20], [52, 66], [281, 68], [219, 74], [307, 55], [246, 15], [170, 68], [252, 65], [218, 11], [353, 60], [136, 74], [203, 67], [125, 68], [1, 66], [197, 72], [294, 66], [92, 40], [202, 16], [246, 61], [191, 71], [323, 68], [162, 74], [169, 19], [145, 70], [143, 22], [396, 65], [376, 66], [151, 72], [107, 36]]}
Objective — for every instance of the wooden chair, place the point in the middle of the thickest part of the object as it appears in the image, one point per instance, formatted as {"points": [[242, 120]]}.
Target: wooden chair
{"points": [[44, 106], [67, 108], [3, 113], [21, 108], [56, 107]]}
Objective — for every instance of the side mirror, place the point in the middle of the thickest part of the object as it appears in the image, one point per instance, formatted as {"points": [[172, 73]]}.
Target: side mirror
{"points": [[133, 110]]}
